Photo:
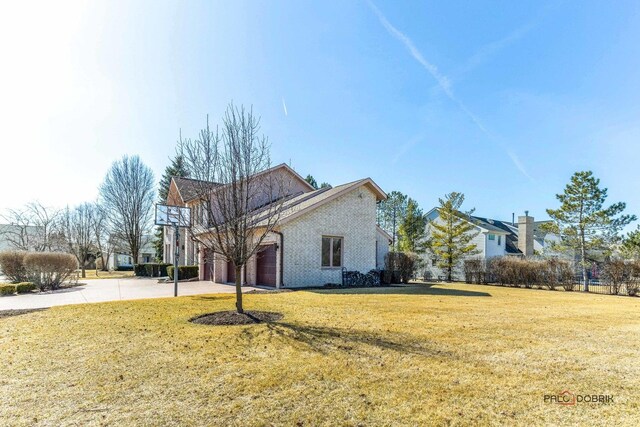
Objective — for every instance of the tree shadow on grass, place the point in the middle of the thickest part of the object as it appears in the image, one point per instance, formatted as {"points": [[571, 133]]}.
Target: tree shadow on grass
{"points": [[218, 297], [426, 289], [18, 312], [328, 340]]}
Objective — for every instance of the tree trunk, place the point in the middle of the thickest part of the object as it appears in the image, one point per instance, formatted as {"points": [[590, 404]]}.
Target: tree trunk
{"points": [[583, 262], [84, 274], [239, 289]]}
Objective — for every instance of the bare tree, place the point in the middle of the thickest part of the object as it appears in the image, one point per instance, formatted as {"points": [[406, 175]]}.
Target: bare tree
{"points": [[127, 195], [34, 227], [241, 198], [78, 230], [105, 238]]}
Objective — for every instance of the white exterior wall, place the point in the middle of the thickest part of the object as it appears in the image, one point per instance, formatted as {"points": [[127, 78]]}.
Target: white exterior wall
{"points": [[382, 249], [492, 249], [351, 216]]}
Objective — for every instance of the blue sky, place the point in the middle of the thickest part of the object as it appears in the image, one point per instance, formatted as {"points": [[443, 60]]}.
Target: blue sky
{"points": [[500, 100]]}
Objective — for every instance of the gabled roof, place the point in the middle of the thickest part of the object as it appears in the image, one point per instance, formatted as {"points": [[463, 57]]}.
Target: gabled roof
{"points": [[490, 225], [483, 223], [305, 202], [510, 231], [189, 188]]}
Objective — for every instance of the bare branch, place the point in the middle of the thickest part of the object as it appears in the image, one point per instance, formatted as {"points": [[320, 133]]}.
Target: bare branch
{"points": [[240, 197]]}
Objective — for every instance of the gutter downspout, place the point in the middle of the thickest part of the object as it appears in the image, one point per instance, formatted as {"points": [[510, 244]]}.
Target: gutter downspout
{"points": [[279, 233]]}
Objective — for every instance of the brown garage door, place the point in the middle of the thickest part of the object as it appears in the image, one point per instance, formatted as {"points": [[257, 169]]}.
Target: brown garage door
{"points": [[266, 266], [231, 272]]}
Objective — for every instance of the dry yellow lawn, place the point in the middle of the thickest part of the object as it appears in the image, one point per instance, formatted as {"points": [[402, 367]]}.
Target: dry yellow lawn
{"points": [[441, 355], [92, 274]]}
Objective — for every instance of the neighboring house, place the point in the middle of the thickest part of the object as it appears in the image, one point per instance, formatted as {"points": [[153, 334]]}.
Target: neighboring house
{"points": [[319, 233], [121, 259], [499, 238], [6, 232]]}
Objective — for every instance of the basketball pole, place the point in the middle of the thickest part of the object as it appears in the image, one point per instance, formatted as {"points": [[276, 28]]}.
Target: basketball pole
{"points": [[176, 255]]}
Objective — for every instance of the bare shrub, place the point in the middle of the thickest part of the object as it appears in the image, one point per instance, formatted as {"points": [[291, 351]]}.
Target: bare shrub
{"points": [[495, 267], [530, 272], [615, 274], [48, 270], [505, 271], [408, 263], [633, 281], [399, 267], [474, 271], [12, 266], [511, 271]]}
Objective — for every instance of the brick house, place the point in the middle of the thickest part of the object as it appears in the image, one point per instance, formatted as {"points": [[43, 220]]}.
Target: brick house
{"points": [[319, 233]]}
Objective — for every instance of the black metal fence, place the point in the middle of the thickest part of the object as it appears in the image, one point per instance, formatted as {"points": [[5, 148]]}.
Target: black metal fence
{"points": [[597, 286]]}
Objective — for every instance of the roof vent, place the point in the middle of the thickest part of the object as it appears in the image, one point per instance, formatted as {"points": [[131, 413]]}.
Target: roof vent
{"points": [[490, 221]]}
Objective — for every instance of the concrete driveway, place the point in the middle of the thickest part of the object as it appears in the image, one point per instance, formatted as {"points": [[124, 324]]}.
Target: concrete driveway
{"points": [[101, 290]]}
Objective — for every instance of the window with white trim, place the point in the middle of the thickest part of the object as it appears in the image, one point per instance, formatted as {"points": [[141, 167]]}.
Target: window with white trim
{"points": [[492, 237], [331, 251]]}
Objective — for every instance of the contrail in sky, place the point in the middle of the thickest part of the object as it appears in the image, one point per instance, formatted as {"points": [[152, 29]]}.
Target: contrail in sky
{"points": [[284, 107], [443, 81]]}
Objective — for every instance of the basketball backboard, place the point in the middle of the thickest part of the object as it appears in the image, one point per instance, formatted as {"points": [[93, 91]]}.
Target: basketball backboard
{"points": [[173, 215]]}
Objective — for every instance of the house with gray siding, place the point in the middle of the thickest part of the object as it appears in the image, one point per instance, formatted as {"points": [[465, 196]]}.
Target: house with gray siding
{"points": [[496, 238]]}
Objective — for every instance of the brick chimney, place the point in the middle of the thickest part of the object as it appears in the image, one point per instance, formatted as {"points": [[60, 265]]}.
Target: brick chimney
{"points": [[525, 234]]}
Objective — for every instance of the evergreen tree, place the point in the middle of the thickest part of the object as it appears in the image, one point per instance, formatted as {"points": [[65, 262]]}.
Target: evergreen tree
{"points": [[325, 185], [631, 244], [450, 236], [177, 168], [390, 213], [582, 222], [412, 227], [312, 181]]}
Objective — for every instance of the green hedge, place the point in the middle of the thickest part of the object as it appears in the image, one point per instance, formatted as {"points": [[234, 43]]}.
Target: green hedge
{"points": [[124, 268], [7, 289], [25, 287], [152, 269], [184, 271]]}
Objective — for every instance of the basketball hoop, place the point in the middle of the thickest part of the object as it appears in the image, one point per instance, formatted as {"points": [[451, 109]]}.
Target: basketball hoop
{"points": [[175, 216]]}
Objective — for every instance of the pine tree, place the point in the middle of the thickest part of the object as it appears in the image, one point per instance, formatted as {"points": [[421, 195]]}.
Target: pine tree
{"points": [[631, 244], [176, 168], [412, 227], [312, 181], [582, 222], [390, 213], [450, 237]]}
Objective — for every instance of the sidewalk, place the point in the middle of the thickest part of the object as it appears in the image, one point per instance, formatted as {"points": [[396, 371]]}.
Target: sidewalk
{"points": [[101, 290]]}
